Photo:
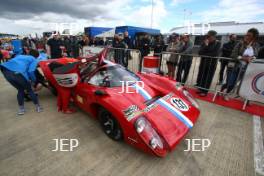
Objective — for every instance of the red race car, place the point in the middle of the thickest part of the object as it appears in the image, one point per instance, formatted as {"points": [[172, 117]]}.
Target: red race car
{"points": [[147, 111]]}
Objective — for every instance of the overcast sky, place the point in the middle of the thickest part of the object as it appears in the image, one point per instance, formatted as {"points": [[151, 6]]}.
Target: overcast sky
{"points": [[30, 16]]}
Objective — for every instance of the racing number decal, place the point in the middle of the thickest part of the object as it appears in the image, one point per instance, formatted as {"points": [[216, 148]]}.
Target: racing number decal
{"points": [[133, 111], [179, 104]]}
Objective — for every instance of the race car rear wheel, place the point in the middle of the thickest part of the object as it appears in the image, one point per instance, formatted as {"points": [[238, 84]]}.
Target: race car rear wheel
{"points": [[110, 125]]}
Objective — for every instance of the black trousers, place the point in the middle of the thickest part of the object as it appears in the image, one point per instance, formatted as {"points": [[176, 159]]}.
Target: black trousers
{"points": [[184, 66], [222, 69], [206, 73]]}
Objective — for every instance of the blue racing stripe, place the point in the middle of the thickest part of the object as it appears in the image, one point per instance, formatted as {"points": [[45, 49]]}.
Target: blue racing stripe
{"points": [[142, 92], [166, 105], [176, 113]]}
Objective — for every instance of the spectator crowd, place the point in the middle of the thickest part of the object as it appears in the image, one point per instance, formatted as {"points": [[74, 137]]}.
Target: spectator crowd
{"points": [[233, 57]]}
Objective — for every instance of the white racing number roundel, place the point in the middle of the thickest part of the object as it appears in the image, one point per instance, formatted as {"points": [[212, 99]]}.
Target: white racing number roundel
{"points": [[179, 104], [258, 84]]}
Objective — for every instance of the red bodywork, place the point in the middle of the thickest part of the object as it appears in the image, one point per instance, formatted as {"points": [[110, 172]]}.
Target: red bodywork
{"points": [[167, 125]]}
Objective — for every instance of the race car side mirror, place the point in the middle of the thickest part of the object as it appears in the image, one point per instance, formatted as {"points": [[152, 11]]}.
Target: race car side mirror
{"points": [[100, 92]]}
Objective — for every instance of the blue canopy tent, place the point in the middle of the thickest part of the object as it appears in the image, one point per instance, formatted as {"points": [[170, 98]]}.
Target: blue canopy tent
{"points": [[132, 31], [135, 32], [93, 31]]}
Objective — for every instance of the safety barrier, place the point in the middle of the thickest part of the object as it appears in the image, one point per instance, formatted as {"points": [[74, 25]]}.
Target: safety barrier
{"points": [[202, 72], [219, 75], [130, 58], [86, 51]]}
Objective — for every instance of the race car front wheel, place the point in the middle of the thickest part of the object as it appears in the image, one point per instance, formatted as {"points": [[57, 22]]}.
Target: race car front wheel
{"points": [[110, 125]]}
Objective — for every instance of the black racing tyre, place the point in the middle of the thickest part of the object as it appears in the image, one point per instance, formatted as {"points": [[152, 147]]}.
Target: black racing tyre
{"points": [[110, 125]]}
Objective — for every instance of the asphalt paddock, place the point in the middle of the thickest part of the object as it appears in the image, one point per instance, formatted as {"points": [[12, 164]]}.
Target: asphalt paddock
{"points": [[26, 144]]}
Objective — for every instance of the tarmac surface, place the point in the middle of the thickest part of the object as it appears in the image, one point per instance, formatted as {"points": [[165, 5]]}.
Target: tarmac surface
{"points": [[26, 144]]}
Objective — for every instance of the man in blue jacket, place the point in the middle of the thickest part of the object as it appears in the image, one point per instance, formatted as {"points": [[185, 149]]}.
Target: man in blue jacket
{"points": [[20, 73]]}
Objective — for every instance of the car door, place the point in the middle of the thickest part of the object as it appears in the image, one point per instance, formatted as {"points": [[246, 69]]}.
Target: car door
{"points": [[85, 96], [85, 91]]}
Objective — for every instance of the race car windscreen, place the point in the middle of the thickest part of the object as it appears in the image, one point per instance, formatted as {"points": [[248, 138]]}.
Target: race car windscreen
{"points": [[87, 68], [113, 76]]}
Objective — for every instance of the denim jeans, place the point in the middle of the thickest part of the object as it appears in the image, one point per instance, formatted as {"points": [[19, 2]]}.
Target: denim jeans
{"points": [[18, 81], [231, 79]]}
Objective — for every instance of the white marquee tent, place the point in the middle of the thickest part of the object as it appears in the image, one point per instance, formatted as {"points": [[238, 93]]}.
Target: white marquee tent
{"points": [[222, 28]]}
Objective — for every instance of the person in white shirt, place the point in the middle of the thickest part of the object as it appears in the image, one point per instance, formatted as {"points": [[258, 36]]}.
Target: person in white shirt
{"points": [[243, 53]]}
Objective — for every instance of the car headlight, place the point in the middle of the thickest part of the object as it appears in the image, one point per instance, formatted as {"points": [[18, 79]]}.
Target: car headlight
{"points": [[191, 99], [140, 125], [156, 142], [148, 133]]}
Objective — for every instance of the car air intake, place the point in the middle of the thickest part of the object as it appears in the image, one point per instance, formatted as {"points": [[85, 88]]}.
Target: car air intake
{"points": [[149, 102]]}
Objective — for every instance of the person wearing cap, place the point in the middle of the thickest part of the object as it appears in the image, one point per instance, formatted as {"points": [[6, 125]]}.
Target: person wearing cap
{"points": [[185, 60], [174, 47], [20, 73], [209, 50]]}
